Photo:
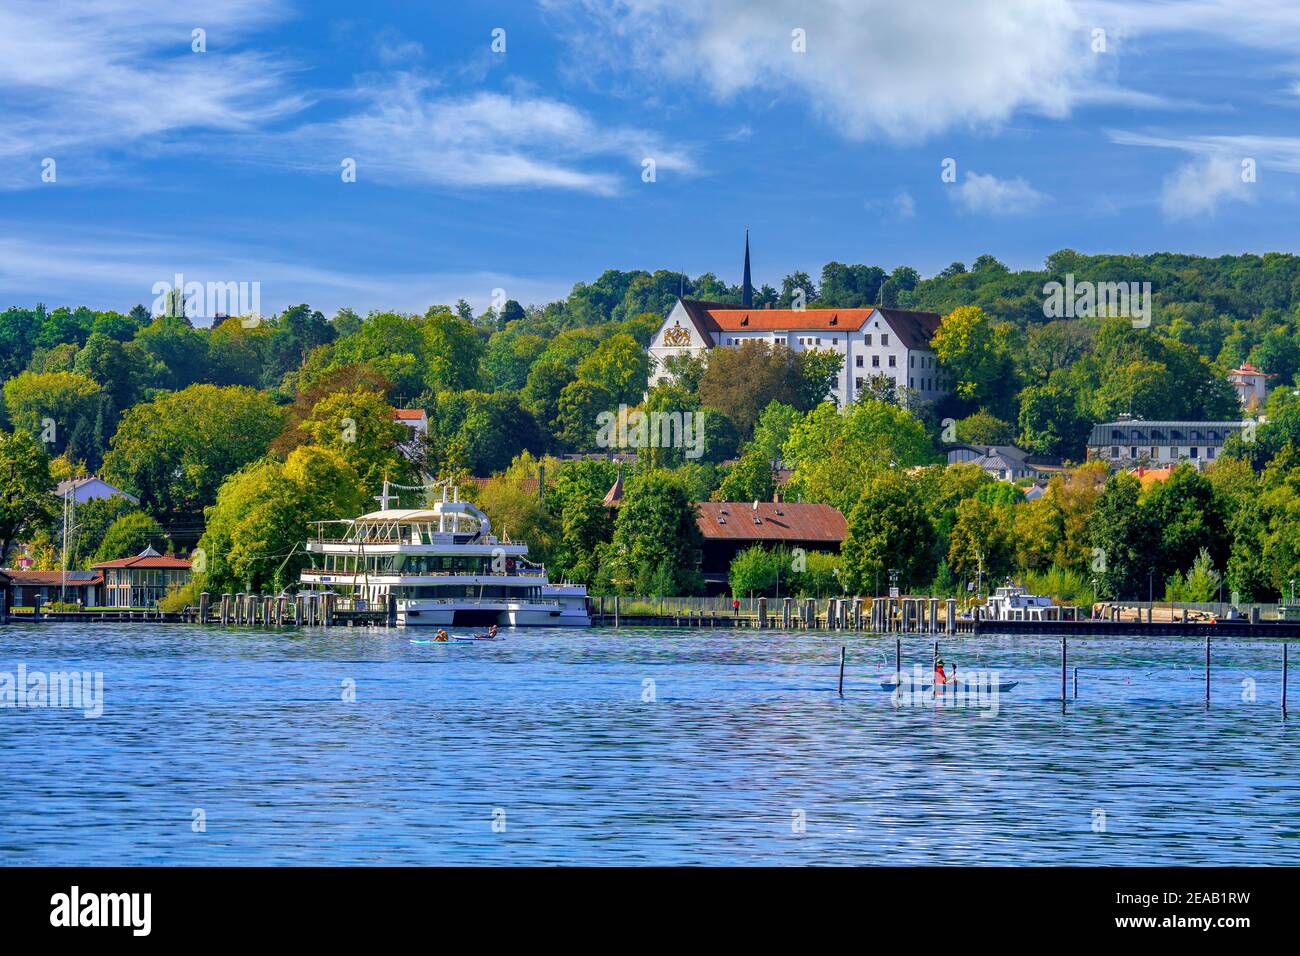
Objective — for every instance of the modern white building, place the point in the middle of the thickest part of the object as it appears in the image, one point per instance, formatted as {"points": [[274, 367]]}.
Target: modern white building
{"points": [[873, 341], [93, 488]]}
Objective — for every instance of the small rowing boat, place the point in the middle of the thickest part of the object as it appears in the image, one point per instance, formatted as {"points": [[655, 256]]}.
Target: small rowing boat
{"points": [[969, 686]]}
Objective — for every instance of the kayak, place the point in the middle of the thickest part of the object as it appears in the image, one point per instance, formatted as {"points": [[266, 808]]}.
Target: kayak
{"points": [[454, 640], [892, 684]]}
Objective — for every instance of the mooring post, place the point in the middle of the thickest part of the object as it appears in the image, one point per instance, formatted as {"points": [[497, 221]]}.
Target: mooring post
{"points": [[204, 599], [1285, 647], [1076, 683], [785, 613], [390, 609], [898, 659], [618, 608], [1207, 669], [952, 616], [762, 613], [279, 611], [1063, 659], [842, 649]]}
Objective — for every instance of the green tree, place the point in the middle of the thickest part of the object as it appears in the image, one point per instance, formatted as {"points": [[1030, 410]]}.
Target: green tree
{"points": [[174, 452], [25, 486], [656, 539], [888, 529], [1122, 539], [129, 535], [359, 425], [750, 479]]}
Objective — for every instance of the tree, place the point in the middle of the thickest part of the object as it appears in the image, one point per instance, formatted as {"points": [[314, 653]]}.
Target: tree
{"points": [[656, 540], [25, 485], [756, 570], [888, 530], [174, 452], [973, 351], [1122, 539], [740, 382], [1183, 515], [262, 515], [92, 521], [834, 454], [360, 426], [61, 405], [983, 428], [129, 535], [453, 350], [619, 366], [750, 479]]}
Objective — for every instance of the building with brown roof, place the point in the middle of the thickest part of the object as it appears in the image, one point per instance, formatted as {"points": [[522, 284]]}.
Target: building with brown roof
{"points": [[143, 580], [730, 527], [33, 588]]}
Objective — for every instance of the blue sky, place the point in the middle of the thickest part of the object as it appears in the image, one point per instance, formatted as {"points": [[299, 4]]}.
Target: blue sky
{"points": [[523, 169]]}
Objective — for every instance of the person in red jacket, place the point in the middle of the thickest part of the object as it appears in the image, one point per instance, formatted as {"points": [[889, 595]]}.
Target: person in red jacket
{"points": [[940, 678]]}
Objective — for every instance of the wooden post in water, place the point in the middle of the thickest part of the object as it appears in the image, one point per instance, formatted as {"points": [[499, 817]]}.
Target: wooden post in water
{"points": [[952, 616], [617, 609], [898, 659], [1207, 668], [204, 599], [762, 613], [1076, 683], [1063, 659], [842, 671], [1285, 648], [785, 613], [279, 611], [225, 608]]}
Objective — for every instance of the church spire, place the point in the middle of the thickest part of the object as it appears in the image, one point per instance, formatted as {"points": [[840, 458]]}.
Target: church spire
{"points": [[747, 287]]}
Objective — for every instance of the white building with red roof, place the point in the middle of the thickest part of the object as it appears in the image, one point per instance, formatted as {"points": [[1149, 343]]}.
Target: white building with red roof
{"points": [[1251, 384], [872, 341]]}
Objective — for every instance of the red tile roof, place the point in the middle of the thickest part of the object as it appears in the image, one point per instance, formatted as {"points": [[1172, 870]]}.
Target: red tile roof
{"points": [[777, 521], [162, 562], [37, 578], [409, 414], [914, 329]]}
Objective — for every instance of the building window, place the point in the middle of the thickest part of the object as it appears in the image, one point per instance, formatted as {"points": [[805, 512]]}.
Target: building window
{"points": [[1114, 451], [1196, 452], [893, 361], [911, 382], [868, 338], [875, 361], [884, 339], [859, 362], [857, 383], [1132, 451]]}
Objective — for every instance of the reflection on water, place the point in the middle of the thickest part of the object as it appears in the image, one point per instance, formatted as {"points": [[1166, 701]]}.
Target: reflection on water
{"points": [[642, 746]]}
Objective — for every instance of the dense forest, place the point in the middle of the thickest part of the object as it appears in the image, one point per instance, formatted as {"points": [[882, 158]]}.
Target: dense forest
{"points": [[233, 435]]}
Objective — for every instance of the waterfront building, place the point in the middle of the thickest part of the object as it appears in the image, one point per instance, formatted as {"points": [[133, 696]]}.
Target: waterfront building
{"points": [[1131, 441], [1251, 385], [730, 527], [143, 580], [30, 588]]}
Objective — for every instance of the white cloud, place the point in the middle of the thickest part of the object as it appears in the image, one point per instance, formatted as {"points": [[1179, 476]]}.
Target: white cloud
{"points": [[985, 193], [408, 131], [1196, 189], [904, 70], [82, 76], [1222, 168]]}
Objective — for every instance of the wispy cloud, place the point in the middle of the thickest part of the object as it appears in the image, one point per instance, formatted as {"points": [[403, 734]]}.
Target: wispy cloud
{"points": [[406, 129], [83, 76], [987, 194], [1223, 168], [118, 270]]}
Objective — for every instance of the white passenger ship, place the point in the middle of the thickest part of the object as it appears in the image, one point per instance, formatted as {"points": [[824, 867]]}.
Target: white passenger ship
{"points": [[443, 567]]}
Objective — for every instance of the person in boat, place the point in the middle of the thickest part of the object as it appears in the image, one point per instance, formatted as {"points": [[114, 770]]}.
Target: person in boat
{"points": [[940, 677], [492, 632], [441, 635]]}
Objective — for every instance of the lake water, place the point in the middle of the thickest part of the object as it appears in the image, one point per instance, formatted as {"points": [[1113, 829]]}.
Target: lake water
{"points": [[544, 748]]}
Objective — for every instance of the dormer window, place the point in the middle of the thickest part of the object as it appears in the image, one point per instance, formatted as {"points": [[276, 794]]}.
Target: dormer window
{"points": [[835, 319], [745, 321]]}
